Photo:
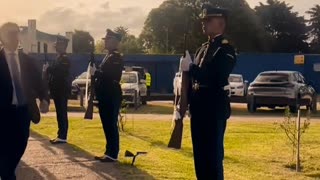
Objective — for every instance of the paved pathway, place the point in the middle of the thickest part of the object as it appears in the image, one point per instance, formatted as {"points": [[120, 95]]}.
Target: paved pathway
{"points": [[43, 161]]}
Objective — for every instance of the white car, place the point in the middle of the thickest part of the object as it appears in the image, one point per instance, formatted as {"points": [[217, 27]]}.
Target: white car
{"points": [[177, 84], [131, 86], [237, 85]]}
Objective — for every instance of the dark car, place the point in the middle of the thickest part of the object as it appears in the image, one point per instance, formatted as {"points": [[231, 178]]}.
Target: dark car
{"points": [[280, 89]]}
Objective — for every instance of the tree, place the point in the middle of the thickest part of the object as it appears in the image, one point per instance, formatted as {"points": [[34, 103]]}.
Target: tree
{"points": [[124, 31], [99, 47], [314, 22], [166, 25], [288, 30], [129, 43], [81, 41]]}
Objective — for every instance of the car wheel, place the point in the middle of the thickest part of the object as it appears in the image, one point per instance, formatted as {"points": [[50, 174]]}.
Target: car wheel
{"points": [[313, 107], [251, 106], [294, 108], [143, 100]]}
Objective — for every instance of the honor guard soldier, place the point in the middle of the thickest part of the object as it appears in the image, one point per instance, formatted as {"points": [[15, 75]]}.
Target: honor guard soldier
{"points": [[109, 95], [209, 94], [60, 87]]}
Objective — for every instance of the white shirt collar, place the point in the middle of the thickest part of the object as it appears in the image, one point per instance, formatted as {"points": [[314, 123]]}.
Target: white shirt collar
{"points": [[7, 51]]}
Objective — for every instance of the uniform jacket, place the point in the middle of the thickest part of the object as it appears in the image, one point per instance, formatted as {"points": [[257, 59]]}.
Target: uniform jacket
{"points": [[213, 63], [109, 75], [59, 76]]}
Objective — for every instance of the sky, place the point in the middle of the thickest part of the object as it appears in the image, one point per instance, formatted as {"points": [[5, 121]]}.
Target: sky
{"points": [[59, 16]]}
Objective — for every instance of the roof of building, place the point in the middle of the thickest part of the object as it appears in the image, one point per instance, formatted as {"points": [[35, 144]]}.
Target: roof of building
{"points": [[46, 36], [41, 35]]}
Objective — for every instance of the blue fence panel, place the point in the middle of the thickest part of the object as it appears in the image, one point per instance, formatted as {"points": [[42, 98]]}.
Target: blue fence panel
{"points": [[163, 67]]}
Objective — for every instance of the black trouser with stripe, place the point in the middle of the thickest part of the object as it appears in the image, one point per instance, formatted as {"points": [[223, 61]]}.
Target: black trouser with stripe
{"points": [[14, 130], [207, 129], [109, 111], [61, 104]]}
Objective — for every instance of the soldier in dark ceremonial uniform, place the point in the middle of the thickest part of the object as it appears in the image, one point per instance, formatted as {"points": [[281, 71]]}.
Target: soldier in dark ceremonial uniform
{"points": [[109, 95], [60, 88], [209, 94]]}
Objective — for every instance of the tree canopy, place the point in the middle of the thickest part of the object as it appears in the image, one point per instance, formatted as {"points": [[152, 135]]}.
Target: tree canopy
{"points": [[287, 28], [81, 41], [166, 25], [314, 22]]}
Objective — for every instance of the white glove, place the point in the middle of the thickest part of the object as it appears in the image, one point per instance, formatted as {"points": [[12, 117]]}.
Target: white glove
{"points": [[45, 67], [44, 106], [93, 70], [185, 62], [176, 115]]}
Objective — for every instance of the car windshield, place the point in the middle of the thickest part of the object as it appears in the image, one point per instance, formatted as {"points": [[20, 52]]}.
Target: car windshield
{"points": [[235, 79], [273, 77], [83, 76], [128, 78]]}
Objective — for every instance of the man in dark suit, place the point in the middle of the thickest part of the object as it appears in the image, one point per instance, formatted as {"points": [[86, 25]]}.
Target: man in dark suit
{"points": [[21, 84]]}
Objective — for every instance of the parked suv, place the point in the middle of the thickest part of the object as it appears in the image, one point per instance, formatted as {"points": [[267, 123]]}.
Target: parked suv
{"points": [[279, 89]]}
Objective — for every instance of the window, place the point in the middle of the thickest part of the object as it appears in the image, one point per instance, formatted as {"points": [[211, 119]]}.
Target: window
{"points": [[235, 79], [295, 77], [128, 78], [301, 78], [273, 77], [39, 47]]}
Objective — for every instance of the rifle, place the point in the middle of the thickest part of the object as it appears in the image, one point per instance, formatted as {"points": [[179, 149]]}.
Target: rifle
{"points": [[181, 105], [46, 62], [89, 111]]}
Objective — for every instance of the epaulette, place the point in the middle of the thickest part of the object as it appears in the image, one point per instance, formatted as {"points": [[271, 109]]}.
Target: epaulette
{"points": [[117, 53], [224, 41]]}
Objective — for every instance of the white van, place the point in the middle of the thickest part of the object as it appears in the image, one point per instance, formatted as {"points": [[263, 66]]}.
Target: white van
{"points": [[134, 90]]}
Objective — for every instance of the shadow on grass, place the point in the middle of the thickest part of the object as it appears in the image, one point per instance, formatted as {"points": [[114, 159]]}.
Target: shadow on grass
{"points": [[314, 175], [105, 170], [185, 151]]}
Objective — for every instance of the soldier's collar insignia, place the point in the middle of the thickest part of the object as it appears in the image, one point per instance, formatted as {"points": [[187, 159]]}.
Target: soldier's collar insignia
{"points": [[225, 41]]}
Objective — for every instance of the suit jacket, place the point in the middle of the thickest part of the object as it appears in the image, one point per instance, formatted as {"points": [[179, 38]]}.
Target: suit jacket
{"points": [[32, 83]]}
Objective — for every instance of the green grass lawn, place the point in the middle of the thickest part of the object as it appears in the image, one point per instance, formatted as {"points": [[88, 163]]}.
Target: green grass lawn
{"points": [[253, 150]]}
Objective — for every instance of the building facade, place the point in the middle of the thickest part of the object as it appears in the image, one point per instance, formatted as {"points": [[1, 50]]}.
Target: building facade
{"points": [[33, 40]]}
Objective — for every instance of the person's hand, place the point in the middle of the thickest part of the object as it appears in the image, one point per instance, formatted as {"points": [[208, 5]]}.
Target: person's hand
{"points": [[176, 115], [45, 67], [93, 70], [44, 106], [185, 62]]}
